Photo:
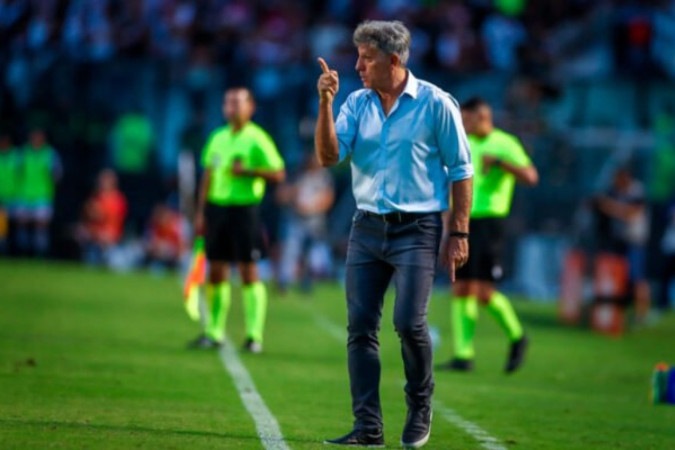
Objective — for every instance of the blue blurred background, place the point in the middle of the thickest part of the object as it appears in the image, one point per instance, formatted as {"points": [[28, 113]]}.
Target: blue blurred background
{"points": [[136, 86]]}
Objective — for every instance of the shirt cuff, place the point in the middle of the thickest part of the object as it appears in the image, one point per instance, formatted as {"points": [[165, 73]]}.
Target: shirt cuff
{"points": [[459, 173]]}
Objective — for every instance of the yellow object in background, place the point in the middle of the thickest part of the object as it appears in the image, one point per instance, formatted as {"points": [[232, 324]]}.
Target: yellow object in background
{"points": [[195, 279], [191, 302]]}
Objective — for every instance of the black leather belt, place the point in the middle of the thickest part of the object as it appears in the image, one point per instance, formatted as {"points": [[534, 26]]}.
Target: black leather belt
{"points": [[397, 217]]}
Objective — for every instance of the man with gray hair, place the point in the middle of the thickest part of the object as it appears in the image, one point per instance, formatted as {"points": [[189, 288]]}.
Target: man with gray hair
{"points": [[408, 150]]}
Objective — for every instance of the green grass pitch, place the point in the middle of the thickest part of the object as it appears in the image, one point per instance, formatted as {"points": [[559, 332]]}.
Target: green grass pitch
{"points": [[96, 360]]}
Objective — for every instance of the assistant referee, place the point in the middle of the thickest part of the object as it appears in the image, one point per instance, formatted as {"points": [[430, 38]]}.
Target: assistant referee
{"points": [[499, 162], [238, 160]]}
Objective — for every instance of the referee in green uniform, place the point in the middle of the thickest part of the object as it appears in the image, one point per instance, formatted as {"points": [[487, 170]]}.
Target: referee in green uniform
{"points": [[499, 162], [40, 169], [10, 160], [238, 160]]}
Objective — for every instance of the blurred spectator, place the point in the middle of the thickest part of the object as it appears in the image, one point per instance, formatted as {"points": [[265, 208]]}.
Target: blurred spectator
{"points": [[132, 142], [327, 37], [199, 76], [662, 195], [39, 172], [132, 152], [633, 37], [9, 172], [625, 207], [88, 31], [668, 248], [309, 199], [277, 39], [166, 238], [192, 138], [580, 46], [132, 30], [42, 25], [102, 223], [511, 7], [663, 41], [170, 27], [502, 36], [457, 45]]}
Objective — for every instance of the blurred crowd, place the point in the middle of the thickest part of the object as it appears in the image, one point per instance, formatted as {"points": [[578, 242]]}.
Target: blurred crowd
{"points": [[29, 178], [541, 37], [123, 93], [27, 184]]}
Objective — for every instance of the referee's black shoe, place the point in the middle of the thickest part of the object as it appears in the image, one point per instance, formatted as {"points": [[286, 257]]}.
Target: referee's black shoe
{"points": [[516, 355], [457, 365], [252, 346], [204, 341], [359, 438]]}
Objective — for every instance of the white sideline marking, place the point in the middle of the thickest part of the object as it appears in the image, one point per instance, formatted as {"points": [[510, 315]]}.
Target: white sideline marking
{"points": [[265, 423], [337, 332], [485, 440]]}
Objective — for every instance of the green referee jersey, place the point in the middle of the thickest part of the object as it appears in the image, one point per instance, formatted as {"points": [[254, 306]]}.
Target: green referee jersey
{"points": [[493, 191], [9, 175], [37, 174], [256, 150]]}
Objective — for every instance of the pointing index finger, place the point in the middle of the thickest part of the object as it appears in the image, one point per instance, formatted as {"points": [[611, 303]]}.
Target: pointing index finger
{"points": [[324, 66]]}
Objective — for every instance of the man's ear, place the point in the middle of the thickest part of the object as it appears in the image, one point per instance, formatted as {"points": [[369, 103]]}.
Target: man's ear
{"points": [[395, 60]]}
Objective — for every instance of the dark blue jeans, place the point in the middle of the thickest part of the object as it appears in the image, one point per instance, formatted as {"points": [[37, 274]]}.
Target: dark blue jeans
{"points": [[378, 253]]}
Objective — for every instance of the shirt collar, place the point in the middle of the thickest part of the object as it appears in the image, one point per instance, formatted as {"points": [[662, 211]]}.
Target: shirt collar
{"points": [[411, 86]]}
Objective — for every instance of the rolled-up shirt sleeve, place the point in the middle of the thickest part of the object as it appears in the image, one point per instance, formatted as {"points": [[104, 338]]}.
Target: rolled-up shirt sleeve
{"points": [[452, 141], [345, 127]]}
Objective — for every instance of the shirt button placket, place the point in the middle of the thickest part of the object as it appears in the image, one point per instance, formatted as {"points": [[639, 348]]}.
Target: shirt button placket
{"points": [[383, 162]]}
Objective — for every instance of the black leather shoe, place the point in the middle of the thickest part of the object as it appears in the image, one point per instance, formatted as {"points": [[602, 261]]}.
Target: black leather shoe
{"points": [[360, 438], [516, 355], [417, 427], [457, 364]]}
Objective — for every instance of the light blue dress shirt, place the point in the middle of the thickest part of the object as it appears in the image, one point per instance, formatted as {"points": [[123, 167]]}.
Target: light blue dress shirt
{"points": [[407, 160]]}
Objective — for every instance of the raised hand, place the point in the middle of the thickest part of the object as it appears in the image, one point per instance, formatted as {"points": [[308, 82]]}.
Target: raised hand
{"points": [[329, 82]]}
